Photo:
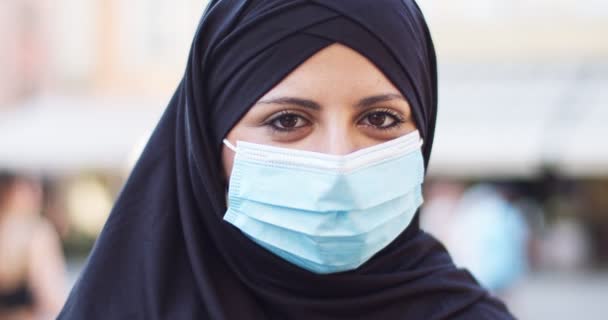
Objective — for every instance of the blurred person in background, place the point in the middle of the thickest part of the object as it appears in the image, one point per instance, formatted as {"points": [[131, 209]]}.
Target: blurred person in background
{"points": [[493, 237], [32, 267], [483, 230]]}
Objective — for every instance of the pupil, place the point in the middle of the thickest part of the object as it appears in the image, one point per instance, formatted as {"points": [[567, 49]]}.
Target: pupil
{"points": [[288, 121], [377, 119]]}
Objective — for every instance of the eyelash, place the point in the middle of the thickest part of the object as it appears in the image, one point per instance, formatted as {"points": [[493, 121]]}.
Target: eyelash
{"points": [[276, 129], [396, 117]]}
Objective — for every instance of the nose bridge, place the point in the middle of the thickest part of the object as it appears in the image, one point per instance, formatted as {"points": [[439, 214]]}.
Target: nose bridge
{"points": [[339, 139]]}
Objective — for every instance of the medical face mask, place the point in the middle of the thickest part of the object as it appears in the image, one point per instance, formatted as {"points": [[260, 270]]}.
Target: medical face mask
{"points": [[325, 213]]}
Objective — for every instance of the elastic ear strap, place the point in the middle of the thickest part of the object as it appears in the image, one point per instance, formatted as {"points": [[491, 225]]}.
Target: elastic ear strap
{"points": [[229, 145]]}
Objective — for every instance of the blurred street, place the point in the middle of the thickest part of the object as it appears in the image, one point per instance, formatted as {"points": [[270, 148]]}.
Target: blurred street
{"points": [[560, 296]]}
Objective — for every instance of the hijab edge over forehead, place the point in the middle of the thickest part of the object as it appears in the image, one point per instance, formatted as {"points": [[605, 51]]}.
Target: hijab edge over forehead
{"points": [[279, 78]]}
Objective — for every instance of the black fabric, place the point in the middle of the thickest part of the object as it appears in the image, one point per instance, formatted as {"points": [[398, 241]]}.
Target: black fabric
{"points": [[166, 253], [16, 298]]}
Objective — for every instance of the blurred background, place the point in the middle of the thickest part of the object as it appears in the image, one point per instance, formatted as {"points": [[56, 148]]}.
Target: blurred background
{"points": [[518, 183]]}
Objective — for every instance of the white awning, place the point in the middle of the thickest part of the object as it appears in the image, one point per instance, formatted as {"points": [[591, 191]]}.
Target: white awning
{"points": [[53, 133], [513, 120]]}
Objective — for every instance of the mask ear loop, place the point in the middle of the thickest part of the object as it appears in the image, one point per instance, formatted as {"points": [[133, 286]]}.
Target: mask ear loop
{"points": [[229, 145], [233, 148]]}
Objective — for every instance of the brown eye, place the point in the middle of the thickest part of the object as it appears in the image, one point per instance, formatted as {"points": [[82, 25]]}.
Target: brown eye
{"points": [[288, 122], [376, 119], [381, 120]]}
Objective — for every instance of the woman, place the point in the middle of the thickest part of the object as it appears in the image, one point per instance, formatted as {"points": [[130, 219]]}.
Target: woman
{"points": [[32, 271], [283, 180]]}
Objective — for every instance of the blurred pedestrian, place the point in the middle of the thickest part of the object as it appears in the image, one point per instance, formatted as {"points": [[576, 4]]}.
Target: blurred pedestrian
{"points": [[489, 236], [32, 267]]}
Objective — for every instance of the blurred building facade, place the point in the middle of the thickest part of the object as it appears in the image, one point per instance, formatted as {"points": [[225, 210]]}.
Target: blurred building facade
{"points": [[140, 47], [23, 49], [93, 46], [540, 31]]}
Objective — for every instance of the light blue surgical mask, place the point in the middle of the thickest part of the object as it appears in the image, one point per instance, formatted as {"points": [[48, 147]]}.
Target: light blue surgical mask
{"points": [[325, 213]]}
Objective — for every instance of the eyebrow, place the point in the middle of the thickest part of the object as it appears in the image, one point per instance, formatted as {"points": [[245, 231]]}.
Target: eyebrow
{"points": [[310, 104]]}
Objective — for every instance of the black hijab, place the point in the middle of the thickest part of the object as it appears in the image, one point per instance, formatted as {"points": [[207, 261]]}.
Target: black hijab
{"points": [[166, 253]]}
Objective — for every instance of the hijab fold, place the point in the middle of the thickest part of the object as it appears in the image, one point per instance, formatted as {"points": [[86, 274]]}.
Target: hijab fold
{"points": [[166, 253]]}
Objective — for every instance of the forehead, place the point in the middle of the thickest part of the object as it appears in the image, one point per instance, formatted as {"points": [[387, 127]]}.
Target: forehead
{"points": [[336, 71]]}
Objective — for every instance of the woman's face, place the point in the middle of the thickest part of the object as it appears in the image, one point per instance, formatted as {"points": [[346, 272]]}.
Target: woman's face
{"points": [[336, 102]]}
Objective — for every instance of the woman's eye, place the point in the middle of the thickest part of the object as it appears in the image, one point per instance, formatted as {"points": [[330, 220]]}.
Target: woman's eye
{"points": [[381, 120], [288, 122]]}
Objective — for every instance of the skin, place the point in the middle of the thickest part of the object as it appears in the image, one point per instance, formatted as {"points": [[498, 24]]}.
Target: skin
{"points": [[336, 102]]}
